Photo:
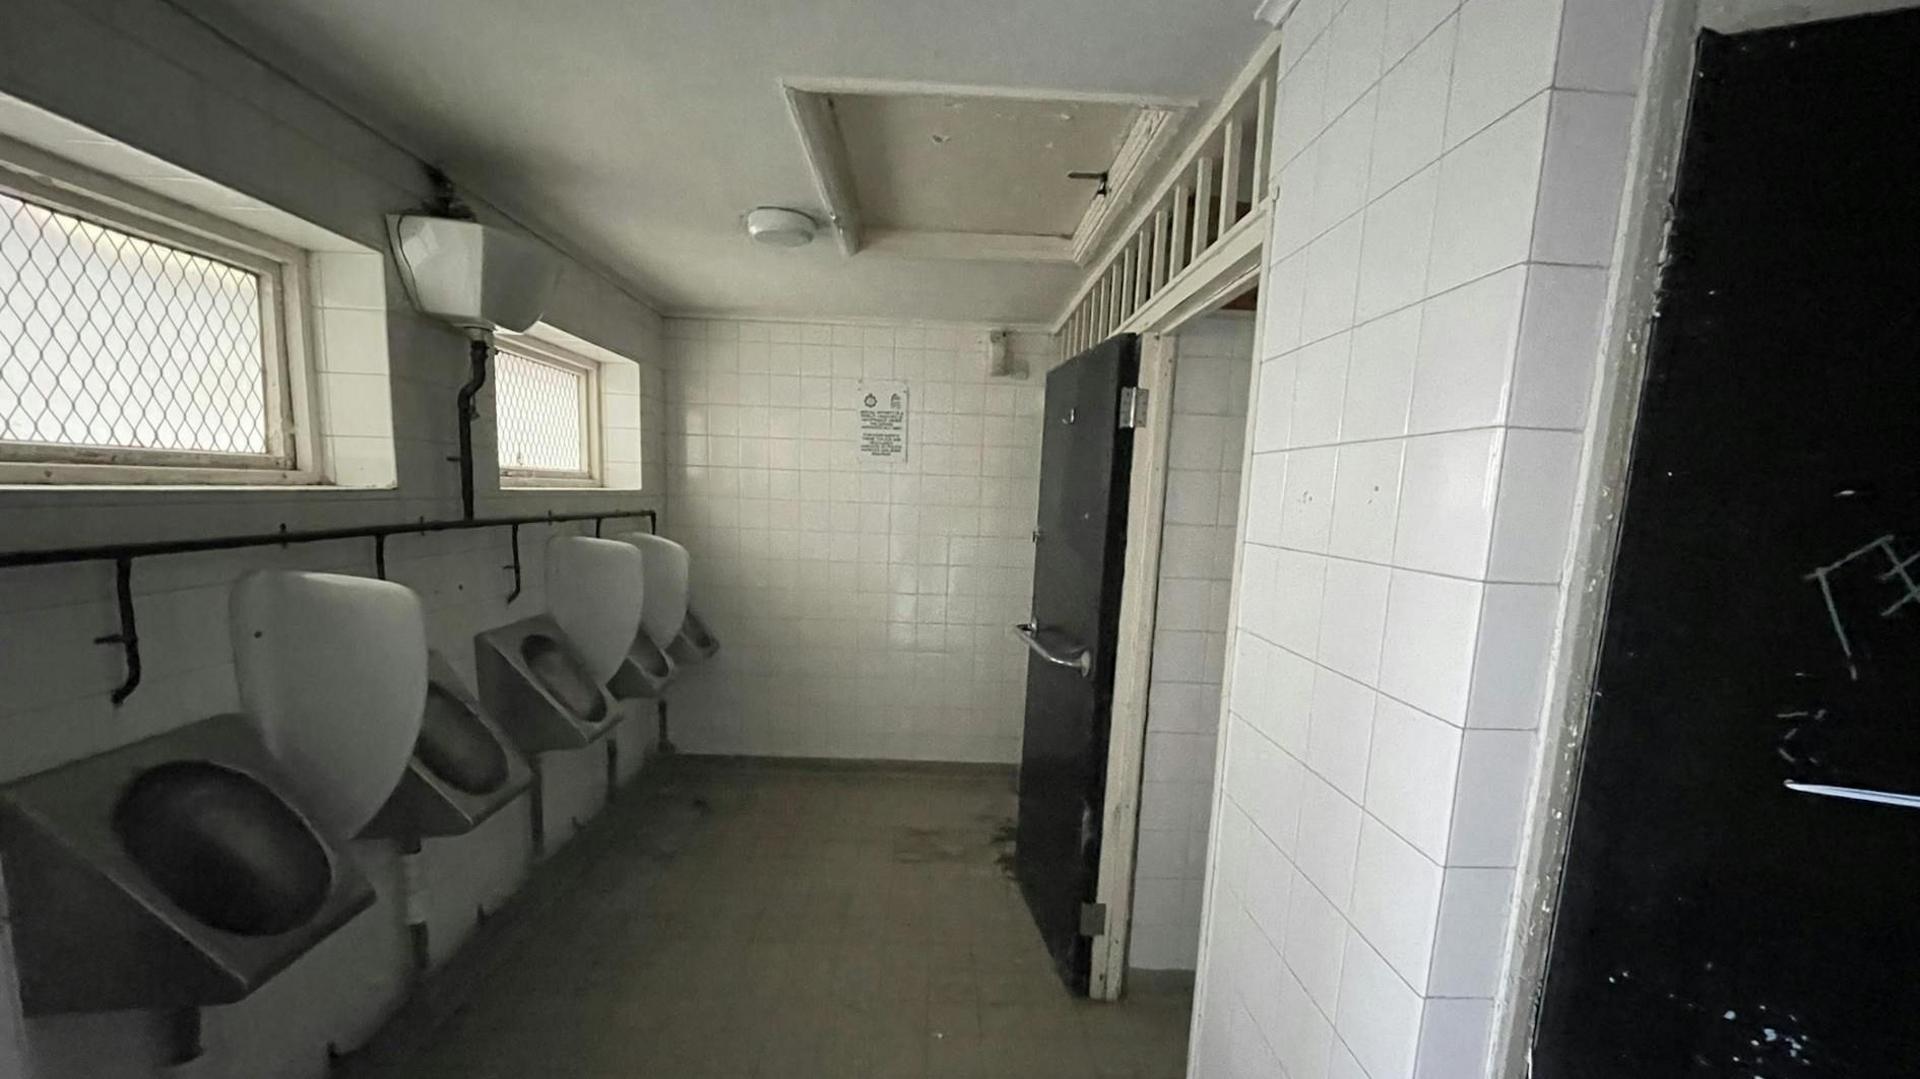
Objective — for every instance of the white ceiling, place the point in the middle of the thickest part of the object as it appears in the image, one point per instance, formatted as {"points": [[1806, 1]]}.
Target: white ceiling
{"points": [[950, 164], [642, 130]]}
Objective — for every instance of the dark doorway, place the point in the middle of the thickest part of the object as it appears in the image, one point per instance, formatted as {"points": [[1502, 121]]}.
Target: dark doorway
{"points": [[1079, 549], [1763, 628]]}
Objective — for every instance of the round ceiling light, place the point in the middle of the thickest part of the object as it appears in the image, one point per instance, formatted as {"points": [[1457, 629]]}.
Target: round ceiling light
{"points": [[777, 226]]}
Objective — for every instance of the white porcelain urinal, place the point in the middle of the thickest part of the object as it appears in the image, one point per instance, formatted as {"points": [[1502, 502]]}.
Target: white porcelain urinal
{"points": [[595, 588], [668, 567], [333, 670], [646, 672]]}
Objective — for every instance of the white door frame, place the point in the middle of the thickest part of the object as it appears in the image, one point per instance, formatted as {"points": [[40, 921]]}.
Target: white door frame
{"points": [[1227, 271], [1658, 133], [1133, 661]]}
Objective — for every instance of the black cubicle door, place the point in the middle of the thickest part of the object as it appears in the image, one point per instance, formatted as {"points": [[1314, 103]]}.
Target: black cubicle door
{"points": [[1764, 619], [1086, 458]]}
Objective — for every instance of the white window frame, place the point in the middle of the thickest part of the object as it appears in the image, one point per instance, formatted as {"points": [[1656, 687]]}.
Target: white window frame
{"points": [[291, 421], [593, 477]]}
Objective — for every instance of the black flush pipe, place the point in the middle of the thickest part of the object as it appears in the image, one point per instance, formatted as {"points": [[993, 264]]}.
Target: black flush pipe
{"points": [[129, 636], [123, 554], [513, 540], [478, 352]]}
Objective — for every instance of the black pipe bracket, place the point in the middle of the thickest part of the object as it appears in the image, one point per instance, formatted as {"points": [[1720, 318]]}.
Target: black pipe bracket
{"points": [[129, 636], [514, 538]]}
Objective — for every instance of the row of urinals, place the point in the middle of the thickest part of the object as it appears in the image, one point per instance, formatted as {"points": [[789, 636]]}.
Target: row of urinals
{"points": [[187, 869]]}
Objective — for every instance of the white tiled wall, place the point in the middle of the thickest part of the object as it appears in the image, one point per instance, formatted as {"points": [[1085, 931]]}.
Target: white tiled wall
{"points": [[1448, 177], [863, 606], [628, 414], [1212, 370], [139, 71]]}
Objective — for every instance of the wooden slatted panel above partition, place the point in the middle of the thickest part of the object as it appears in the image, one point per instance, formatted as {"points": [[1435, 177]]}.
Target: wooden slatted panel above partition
{"points": [[1224, 175]]}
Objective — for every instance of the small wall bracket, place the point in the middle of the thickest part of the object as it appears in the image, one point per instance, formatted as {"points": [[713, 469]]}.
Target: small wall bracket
{"points": [[1103, 176]]}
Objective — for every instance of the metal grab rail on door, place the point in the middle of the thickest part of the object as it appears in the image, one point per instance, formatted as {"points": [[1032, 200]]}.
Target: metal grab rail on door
{"points": [[1857, 794], [1081, 659]]}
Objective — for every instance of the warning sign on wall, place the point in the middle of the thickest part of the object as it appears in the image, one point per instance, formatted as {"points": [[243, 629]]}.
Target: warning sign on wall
{"points": [[882, 430]]}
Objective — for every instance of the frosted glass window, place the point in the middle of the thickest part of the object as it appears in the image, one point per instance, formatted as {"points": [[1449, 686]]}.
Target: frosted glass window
{"points": [[544, 411], [116, 348]]}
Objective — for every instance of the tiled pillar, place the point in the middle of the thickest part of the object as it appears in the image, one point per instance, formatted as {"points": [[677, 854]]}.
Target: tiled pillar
{"points": [[1183, 703], [1448, 181]]}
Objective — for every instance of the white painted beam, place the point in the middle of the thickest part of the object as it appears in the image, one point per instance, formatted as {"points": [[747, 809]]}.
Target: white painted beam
{"points": [[826, 153], [967, 246]]}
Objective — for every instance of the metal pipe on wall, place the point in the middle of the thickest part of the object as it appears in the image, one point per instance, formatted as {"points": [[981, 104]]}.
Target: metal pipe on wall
{"points": [[479, 351], [123, 554]]}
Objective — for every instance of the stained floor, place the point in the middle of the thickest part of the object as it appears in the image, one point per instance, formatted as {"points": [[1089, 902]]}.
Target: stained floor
{"points": [[736, 919]]}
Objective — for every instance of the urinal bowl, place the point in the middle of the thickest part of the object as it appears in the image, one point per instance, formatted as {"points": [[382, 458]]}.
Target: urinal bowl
{"points": [[464, 767], [168, 873], [645, 673], [537, 690], [695, 641], [332, 668]]}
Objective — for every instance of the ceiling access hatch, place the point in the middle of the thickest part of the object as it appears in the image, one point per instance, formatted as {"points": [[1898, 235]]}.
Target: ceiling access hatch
{"points": [[961, 172], [953, 164]]}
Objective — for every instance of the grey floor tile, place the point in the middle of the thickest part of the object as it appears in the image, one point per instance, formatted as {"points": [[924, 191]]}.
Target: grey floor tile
{"points": [[758, 921]]}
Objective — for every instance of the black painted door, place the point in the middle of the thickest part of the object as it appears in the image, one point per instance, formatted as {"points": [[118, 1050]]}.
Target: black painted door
{"points": [[1085, 458], [1718, 918]]}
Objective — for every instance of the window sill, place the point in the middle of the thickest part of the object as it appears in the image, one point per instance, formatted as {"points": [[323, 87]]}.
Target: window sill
{"points": [[72, 474], [523, 484]]}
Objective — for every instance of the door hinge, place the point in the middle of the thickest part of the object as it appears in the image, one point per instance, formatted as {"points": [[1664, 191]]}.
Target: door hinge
{"points": [[1093, 919], [1133, 407]]}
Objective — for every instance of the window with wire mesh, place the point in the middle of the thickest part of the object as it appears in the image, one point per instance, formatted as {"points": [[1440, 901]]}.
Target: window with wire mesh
{"points": [[119, 349], [542, 412]]}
